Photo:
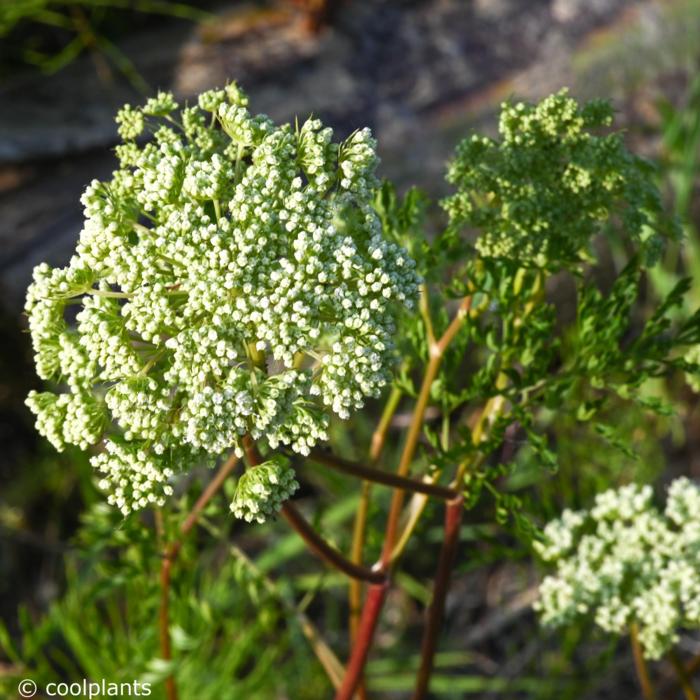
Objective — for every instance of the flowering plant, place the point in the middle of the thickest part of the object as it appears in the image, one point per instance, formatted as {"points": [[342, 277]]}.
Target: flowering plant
{"points": [[627, 564], [237, 284], [231, 278]]}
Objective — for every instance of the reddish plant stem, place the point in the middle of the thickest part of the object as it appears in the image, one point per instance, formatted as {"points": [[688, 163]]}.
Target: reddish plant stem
{"points": [[376, 594], [203, 501], [448, 551], [693, 665], [170, 555], [317, 13], [313, 540], [325, 551], [358, 535], [373, 606], [356, 555], [381, 477], [164, 620], [355, 587]]}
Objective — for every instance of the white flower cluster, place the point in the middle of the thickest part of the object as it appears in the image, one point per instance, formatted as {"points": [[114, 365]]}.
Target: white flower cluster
{"points": [[230, 278], [131, 477], [624, 562], [261, 490]]}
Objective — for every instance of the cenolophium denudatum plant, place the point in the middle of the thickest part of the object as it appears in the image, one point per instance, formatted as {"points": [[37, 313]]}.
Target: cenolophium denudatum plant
{"points": [[238, 283], [232, 279], [624, 562], [630, 567]]}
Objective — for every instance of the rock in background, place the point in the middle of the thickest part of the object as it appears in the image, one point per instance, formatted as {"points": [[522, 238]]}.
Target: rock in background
{"points": [[420, 73]]}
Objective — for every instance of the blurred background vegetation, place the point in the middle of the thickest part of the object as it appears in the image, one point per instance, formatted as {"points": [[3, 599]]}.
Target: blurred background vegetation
{"points": [[78, 586]]}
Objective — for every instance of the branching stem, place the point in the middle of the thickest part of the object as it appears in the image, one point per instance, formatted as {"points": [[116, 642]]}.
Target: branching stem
{"points": [[313, 540], [437, 352], [375, 600], [381, 477], [325, 551], [358, 534]]}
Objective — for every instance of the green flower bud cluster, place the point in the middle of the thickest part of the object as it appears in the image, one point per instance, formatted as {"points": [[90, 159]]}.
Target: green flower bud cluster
{"points": [[693, 356], [261, 490], [624, 562], [231, 278], [540, 193]]}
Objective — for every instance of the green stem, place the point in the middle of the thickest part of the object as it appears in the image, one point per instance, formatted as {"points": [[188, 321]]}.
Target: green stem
{"points": [[105, 293], [147, 367], [256, 356], [424, 307], [640, 665], [239, 159], [437, 352]]}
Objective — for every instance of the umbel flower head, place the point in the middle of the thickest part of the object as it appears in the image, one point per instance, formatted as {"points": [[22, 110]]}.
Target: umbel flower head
{"points": [[262, 490], [231, 278], [538, 194], [624, 562]]}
